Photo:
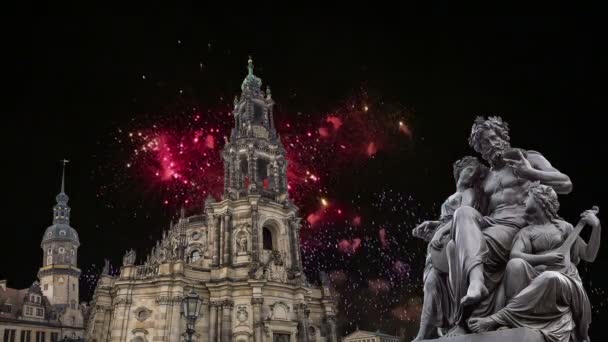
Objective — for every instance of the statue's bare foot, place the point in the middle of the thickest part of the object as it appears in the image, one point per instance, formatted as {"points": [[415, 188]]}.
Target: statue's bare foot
{"points": [[458, 330], [482, 324], [476, 292]]}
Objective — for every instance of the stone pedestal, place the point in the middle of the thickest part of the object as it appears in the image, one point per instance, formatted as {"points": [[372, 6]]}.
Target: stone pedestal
{"points": [[506, 335]]}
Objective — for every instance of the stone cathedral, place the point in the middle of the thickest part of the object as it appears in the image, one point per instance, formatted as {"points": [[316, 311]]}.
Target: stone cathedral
{"points": [[241, 254]]}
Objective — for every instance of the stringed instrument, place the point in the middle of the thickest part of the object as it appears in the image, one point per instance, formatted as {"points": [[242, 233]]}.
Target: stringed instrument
{"points": [[567, 245]]}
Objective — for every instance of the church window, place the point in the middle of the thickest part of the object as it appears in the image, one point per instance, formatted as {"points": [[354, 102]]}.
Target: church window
{"points": [[61, 250], [26, 335], [195, 256], [62, 232], [267, 239], [9, 335]]}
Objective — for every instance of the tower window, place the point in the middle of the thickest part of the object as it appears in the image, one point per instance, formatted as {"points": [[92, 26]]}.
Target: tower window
{"points": [[49, 234], [62, 232], [61, 250], [49, 260], [267, 239], [73, 252], [49, 251]]}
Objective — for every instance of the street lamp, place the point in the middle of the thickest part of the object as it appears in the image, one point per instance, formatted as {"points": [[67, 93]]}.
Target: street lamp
{"points": [[191, 307]]}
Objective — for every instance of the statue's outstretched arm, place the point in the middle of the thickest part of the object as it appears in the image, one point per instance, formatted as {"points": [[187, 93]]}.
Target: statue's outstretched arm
{"points": [[537, 168], [588, 251]]}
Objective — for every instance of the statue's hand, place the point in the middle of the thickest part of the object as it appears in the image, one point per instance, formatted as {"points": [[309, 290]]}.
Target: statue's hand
{"points": [[521, 167], [554, 259], [590, 218], [424, 228], [436, 244]]}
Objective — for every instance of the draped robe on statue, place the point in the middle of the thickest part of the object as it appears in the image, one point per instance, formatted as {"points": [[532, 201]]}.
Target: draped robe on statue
{"points": [[487, 240], [553, 302]]}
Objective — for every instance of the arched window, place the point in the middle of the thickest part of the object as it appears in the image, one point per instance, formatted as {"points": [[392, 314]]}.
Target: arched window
{"points": [[49, 251], [49, 260], [195, 256], [267, 239]]}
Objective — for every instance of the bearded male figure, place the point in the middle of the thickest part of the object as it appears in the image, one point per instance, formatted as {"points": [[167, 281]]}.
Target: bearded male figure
{"points": [[481, 242]]}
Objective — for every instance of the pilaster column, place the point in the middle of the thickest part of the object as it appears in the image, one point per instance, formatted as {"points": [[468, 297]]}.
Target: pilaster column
{"points": [[276, 186], [176, 319], [303, 314], [257, 318], [227, 178], [204, 328], [220, 241], [227, 306], [283, 176], [251, 168], [227, 236], [255, 234], [333, 335], [213, 306], [213, 237]]}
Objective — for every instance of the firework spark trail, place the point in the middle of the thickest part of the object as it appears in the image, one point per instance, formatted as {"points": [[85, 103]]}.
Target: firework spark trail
{"points": [[177, 157]]}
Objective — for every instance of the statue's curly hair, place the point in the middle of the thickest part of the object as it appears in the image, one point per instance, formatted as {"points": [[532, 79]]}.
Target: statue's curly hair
{"points": [[546, 197], [461, 164], [481, 124]]}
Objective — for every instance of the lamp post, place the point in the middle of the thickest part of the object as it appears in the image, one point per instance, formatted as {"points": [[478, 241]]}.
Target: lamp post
{"points": [[191, 306]]}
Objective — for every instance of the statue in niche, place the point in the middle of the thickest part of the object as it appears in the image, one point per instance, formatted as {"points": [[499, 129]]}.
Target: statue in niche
{"points": [[241, 243]]}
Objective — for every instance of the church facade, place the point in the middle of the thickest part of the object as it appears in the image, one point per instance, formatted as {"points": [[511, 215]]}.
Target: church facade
{"points": [[241, 254], [49, 310]]}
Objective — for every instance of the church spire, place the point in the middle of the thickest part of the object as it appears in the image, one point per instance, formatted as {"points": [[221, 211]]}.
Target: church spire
{"points": [[64, 161], [61, 210]]}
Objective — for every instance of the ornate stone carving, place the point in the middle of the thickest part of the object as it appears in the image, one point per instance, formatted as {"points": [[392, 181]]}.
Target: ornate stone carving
{"points": [[242, 315], [279, 311], [257, 301], [228, 304], [129, 258], [122, 301], [163, 300], [142, 313]]}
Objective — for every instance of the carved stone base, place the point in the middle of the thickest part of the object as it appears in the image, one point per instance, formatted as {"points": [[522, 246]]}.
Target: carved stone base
{"points": [[506, 335]]}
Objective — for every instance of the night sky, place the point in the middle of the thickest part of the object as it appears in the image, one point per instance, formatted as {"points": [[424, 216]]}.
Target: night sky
{"points": [[372, 111]]}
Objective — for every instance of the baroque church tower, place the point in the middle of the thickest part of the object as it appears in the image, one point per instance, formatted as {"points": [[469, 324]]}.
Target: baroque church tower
{"points": [[59, 274], [240, 253]]}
